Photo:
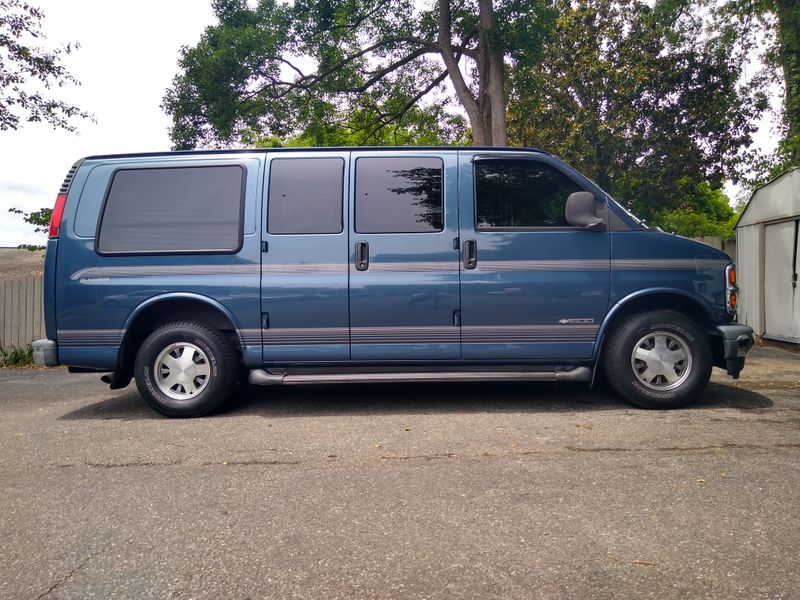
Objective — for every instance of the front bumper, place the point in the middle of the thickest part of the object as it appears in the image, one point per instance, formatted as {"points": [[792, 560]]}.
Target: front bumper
{"points": [[737, 341], [45, 353]]}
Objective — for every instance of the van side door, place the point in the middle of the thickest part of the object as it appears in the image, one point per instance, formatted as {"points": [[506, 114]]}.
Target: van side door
{"points": [[532, 286], [304, 271], [404, 285]]}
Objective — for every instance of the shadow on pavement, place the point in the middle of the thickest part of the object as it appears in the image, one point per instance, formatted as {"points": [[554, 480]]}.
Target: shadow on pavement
{"points": [[718, 395], [431, 398]]}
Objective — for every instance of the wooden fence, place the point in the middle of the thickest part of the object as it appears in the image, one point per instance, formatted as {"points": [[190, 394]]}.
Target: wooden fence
{"points": [[728, 246], [21, 311]]}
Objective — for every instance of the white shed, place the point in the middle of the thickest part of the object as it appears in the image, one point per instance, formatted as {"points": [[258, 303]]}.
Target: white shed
{"points": [[767, 239]]}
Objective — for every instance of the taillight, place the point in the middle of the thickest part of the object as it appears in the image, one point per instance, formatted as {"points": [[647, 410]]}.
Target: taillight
{"points": [[55, 218], [731, 289]]}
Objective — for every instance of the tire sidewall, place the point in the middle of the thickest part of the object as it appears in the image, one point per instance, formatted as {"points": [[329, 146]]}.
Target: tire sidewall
{"points": [[203, 402]]}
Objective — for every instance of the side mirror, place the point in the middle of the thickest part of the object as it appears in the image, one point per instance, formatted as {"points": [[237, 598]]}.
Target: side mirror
{"points": [[581, 211]]}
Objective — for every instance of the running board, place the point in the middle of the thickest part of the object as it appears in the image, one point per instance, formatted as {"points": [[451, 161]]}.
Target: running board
{"points": [[264, 377]]}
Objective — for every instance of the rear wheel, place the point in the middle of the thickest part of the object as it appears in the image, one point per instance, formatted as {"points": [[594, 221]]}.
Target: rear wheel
{"points": [[659, 359], [185, 369]]}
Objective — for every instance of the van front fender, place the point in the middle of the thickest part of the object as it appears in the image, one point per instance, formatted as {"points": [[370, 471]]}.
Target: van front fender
{"points": [[653, 299]]}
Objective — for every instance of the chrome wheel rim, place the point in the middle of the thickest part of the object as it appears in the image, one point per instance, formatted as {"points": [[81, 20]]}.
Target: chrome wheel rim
{"points": [[182, 371], [661, 360]]}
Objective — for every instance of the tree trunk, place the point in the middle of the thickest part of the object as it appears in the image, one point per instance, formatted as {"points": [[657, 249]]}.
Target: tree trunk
{"points": [[788, 12], [487, 112], [445, 41], [495, 105]]}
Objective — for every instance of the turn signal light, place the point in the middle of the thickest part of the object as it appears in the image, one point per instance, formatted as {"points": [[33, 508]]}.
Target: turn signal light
{"points": [[731, 289]]}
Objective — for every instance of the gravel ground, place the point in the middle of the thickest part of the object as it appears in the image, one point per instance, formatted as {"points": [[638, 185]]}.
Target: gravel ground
{"points": [[407, 491]]}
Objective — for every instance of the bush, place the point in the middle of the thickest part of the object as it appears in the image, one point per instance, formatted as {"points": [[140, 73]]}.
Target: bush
{"points": [[693, 224], [14, 356], [701, 211]]}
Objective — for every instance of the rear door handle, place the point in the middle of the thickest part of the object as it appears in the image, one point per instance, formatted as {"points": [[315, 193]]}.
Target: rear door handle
{"points": [[362, 256], [470, 254]]}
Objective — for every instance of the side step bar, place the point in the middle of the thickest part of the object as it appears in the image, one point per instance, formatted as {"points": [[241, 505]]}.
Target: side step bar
{"points": [[264, 377]]}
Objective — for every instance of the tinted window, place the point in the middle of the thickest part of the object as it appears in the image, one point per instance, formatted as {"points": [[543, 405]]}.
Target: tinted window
{"points": [[185, 209], [305, 195], [399, 195], [520, 193]]}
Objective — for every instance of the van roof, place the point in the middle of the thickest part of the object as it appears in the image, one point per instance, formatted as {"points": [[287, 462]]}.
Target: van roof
{"points": [[313, 149]]}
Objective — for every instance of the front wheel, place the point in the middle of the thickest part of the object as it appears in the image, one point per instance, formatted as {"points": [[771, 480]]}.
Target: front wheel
{"points": [[185, 369], [658, 359]]}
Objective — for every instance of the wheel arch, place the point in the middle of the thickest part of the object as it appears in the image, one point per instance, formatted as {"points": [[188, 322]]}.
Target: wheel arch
{"points": [[165, 308], [650, 300]]}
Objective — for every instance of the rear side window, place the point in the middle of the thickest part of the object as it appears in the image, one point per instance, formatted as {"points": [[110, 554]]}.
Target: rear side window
{"points": [[399, 195], [305, 195], [518, 193], [173, 210]]}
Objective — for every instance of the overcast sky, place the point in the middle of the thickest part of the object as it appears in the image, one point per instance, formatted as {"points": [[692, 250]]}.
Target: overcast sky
{"points": [[127, 59]]}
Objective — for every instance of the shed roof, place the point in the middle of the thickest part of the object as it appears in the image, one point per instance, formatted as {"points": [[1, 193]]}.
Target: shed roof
{"points": [[777, 199]]}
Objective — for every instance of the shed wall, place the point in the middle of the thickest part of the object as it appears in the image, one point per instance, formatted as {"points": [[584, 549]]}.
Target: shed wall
{"points": [[749, 271]]}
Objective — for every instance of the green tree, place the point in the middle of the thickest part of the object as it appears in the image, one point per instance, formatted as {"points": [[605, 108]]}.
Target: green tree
{"points": [[771, 30], [24, 66], [40, 219], [640, 99], [787, 55], [285, 68], [702, 212], [428, 126]]}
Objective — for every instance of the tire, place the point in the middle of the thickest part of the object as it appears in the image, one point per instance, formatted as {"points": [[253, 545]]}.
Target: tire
{"points": [[658, 360], [203, 378]]}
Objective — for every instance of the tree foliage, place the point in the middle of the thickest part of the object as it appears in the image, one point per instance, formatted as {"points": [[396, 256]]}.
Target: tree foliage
{"points": [[422, 126], [40, 219], [29, 73], [765, 33], [770, 29], [640, 99], [788, 56], [359, 65], [701, 211]]}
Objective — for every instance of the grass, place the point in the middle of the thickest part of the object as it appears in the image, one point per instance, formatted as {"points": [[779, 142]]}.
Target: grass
{"points": [[14, 356]]}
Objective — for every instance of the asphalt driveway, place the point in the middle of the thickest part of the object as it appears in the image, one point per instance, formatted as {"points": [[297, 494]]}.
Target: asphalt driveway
{"points": [[406, 491]]}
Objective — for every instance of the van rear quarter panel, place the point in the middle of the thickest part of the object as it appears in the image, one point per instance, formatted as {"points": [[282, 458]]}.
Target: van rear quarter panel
{"points": [[96, 295]]}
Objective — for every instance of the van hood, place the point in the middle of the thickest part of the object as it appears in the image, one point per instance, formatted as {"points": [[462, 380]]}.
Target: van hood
{"points": [[677, 246]]}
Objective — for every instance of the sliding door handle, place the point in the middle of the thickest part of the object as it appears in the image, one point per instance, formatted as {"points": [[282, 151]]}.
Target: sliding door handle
{"points": [[362, 256], [470, 254]]}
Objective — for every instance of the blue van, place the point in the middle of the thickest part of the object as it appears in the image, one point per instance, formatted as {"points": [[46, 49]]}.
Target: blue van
{"points": [[191, 271]]}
